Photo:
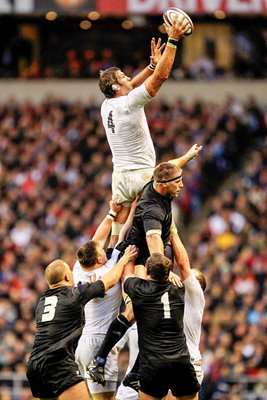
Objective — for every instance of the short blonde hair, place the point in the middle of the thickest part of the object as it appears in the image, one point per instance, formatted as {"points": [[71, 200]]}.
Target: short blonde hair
{"points": [[165, 171], [55, 272]]}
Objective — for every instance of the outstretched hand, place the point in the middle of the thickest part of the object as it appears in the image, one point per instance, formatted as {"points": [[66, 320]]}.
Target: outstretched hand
{"points": [[178, 28], [156, 50], [193, 151]]}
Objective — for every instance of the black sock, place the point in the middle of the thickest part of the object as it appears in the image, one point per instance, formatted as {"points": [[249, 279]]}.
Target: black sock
{"points": [[115, 332], [136, 365]]}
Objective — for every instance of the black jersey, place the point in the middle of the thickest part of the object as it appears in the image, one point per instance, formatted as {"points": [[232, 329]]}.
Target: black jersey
{"points": [[153, 211], [60, 317], [158, 308]]}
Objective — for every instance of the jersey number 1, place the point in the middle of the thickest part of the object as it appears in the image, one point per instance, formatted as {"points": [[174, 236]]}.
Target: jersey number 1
{"points": [[49, 309], [166, 305]]}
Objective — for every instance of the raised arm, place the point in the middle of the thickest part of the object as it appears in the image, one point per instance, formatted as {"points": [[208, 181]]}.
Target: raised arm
{"points": [[188, 156], [164, 66], [113, 276], [155, 243], [180, 253], [156, 49], [103, 229], [129, 222]]}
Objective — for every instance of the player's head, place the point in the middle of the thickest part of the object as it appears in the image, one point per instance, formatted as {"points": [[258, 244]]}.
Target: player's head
{"points": [[108, 81], [59, 273], [168, 179], [90, 254], [200, 277], [158, 267], [112, 81]]}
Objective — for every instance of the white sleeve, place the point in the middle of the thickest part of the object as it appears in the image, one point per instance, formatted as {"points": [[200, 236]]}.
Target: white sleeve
{"points": [[76, 272], [138, 97], [194, 291], [113, 259]]}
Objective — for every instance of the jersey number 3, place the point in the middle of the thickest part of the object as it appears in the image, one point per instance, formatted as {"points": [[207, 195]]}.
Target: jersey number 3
{"points": [[49, 309], [166, 305]]}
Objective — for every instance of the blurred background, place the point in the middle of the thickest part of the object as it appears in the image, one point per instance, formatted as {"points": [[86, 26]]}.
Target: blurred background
{"points": [[55, 164]]}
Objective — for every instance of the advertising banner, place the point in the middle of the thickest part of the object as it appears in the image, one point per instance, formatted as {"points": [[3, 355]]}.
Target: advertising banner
{"points": [[190, 6], [128, 7]]}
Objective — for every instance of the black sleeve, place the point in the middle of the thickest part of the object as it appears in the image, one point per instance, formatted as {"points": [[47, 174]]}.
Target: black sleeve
{"points": [[129, 285], [153, 218], [89, 291]]}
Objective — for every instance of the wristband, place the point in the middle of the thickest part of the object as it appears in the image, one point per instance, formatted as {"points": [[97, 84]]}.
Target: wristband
{"points": [[172, 43], [173, 231], [111, 214], [151, 67]]}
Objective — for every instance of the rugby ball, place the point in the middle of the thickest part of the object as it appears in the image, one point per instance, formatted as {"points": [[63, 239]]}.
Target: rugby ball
{"points": [[173, 12]]}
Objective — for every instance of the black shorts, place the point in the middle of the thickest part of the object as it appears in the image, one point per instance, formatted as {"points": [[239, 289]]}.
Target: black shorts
{"points": [[52, 374], [157, 378]]}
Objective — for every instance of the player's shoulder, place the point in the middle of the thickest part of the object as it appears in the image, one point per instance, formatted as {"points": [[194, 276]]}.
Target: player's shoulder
{"points": [[138, 96], [134, 282], [113, 258], [138, 286], [191, 280], [192, 284], [149, 195]]}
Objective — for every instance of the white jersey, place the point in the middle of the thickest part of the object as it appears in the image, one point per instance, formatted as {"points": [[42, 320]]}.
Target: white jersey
{"points": [[100, 312], [127, 130], [193, 314]]}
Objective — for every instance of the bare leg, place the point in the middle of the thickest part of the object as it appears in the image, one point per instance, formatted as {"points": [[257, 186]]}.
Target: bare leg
{"points": [[144, 396], [123, 215], [123, 223], [128, 312], [47, 398], [77, 392], [191, 397], [119, 220], [171, 397], [103, 396]]}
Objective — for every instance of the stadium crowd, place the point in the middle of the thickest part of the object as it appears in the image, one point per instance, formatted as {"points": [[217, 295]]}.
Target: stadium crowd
{"points": [[80, 56], [55, 176]]}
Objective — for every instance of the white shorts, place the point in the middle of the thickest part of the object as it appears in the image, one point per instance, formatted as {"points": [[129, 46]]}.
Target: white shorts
{"points": [[126, 393], [126, 185], [86, 350]]}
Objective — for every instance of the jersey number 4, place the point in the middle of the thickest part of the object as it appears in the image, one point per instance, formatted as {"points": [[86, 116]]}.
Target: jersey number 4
{"points": [[110, 122], [166, 305], [49, 309]]}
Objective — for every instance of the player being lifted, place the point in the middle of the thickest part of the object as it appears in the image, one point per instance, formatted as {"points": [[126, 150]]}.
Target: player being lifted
{"points": [[125, 123]]}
